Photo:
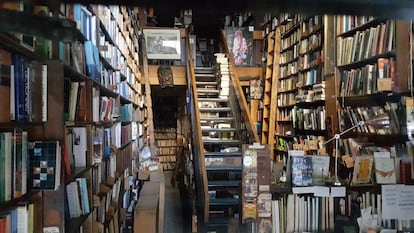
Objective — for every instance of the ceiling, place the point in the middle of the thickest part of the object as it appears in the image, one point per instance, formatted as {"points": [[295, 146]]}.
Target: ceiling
{"points": [[208, 15]]}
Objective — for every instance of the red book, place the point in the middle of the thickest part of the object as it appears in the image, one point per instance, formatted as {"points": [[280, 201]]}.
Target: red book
{"points": [[405, 172]]}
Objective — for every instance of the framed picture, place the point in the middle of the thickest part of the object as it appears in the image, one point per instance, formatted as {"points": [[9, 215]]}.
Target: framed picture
{"points": [[240, 42], [163, 43]]}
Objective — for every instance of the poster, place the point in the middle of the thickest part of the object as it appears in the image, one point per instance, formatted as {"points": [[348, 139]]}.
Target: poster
{"points": [[240, 43]]}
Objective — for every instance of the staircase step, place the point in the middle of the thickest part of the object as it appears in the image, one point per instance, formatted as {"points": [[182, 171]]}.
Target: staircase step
{"points": [[200, 83], [225, 201], [217, 119], [200, 69], [206, 90], [222, 154], [223, 168], [218, 130], [213, 100], [218, 224], [224, 183], [222, 109], [220, 141]]}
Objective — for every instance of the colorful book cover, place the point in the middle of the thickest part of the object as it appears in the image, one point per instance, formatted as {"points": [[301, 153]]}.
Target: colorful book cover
{"points": [[362, 170], [45, 164], [320, 169], [301, 168]]}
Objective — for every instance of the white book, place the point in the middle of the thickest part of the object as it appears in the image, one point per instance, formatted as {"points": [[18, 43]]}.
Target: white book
{"points": [[44, 93], [79, 146], [73, 200], [73, 100], [331, 214], [275, 216], [22, 219], [290, 214]]}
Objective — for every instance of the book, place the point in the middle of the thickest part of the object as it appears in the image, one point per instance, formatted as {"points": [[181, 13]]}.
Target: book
{"points": [[384, 170], [301, 168], [79, 146], [83, 195], [45, 164], [72, 192], [362, 170], [5, 166], [320, 169], [19, 160]]}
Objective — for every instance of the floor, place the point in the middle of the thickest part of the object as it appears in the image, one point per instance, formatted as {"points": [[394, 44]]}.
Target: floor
{"points": [[177, 216]]}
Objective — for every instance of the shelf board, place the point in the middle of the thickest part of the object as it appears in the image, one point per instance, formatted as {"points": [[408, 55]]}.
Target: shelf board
{"points": [[284, 121], [76, 173], [12, 203], [377, 99], [385, 140], [362, 27], [290, 61], [290, 30], [317, 29], [310, 132], [38, 25], [287, 106], [284, 136], [363, 62], [312, 104]]}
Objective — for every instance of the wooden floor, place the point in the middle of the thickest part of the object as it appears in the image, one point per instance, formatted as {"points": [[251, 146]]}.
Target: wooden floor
{"points": [[174, 220]]}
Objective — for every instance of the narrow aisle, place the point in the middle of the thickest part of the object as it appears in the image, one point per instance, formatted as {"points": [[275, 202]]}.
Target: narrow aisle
{"points": [[173, 221]]}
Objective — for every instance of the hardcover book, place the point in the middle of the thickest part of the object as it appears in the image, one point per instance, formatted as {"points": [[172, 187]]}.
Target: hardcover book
{"points": [[301, 168], [385, 171], [362, 170], [45, 164], [320, 169]]}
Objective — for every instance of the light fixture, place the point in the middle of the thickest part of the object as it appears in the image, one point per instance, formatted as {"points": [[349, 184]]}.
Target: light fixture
{"points": [[380, 121]]}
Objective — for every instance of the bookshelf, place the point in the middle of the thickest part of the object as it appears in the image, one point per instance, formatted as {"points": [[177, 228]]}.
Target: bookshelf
{"points": [[91, 104]]}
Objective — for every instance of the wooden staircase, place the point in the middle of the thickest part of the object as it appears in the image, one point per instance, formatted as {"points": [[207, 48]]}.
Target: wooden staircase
{"points": [[222, 150]]}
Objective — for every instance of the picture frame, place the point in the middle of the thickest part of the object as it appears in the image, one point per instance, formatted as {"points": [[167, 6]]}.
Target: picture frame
{"points": [[240, 43], [163, 43]]}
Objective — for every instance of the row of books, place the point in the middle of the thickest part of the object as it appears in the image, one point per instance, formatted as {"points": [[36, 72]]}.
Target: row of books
{"points": [[166, 142], [317, 93], [310, 60], [391, 112], [286, 99], [289, 69], [289, 55], [303, 214], [309, 119], [348, 22], [291, 40], [313, 42], [28, 88], [77, 198], [365, 44], [18, 219], [366, 80], [288, 84], [311, 24], [284, 115], [27, 165], [288, 20], [391, 164]]}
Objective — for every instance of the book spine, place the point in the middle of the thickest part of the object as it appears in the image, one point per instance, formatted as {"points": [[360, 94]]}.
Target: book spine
{"points": [[44, 93]]}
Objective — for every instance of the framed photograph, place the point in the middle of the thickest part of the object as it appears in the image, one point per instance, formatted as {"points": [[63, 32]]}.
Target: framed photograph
{"points": [[163, 43], [240, 42]]}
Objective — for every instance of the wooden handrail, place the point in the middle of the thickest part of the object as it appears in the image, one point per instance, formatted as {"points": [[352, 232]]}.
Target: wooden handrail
{"points": [[197, 130], [239, 92]]}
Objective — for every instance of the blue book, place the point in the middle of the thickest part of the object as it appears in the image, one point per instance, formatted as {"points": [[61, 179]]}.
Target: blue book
{"points": [[93, 69], [19, 87], [84, 195]]}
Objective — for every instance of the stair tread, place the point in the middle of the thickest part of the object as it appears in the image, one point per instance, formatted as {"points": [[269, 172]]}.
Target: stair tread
{"points": [[206, 83], [218, 129], [213, 100], [204, 75], [224, 183], [225, 201], [208, 90], [222, 141], [222, 154], [218, 119], [219, 109], [224, 168]]}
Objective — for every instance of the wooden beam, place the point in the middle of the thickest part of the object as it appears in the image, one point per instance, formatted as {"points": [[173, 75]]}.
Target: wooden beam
{"points": [[179, 75]]}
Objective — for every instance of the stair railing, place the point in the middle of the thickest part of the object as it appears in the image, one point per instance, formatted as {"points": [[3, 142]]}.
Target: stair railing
{"points": [[200, 175], [243, 120]]}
